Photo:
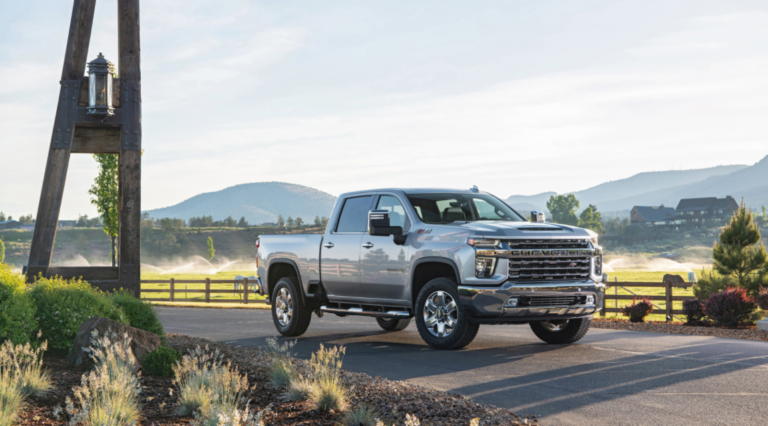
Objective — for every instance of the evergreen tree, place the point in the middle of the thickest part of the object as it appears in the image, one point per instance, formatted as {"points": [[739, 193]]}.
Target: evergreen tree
{"points": [[590, 218], [289, 222], [280, 221], [739, 253], [104, 192], [299, 222], [211, 251], [324, 221], [2, 217], [243, 223], [318, 222], [563, 209]]}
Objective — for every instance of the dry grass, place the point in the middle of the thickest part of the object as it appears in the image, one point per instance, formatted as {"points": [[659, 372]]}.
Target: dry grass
{"points": [[21, 375], [361, 415], [281, 372]]}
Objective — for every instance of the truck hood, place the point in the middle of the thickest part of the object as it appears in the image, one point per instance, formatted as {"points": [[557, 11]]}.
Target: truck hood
{"points": [[504, 229]]}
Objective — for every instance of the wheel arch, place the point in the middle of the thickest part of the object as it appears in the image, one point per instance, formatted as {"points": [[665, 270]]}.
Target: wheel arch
{"points": [[282, 268], [429, 268]]}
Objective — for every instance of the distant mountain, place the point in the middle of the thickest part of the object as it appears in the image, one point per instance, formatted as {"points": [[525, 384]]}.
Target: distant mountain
{"points": [[623, 194], [257, 202]]}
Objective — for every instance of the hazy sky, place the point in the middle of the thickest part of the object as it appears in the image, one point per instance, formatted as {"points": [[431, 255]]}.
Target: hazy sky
{"points": [[517, 97]]}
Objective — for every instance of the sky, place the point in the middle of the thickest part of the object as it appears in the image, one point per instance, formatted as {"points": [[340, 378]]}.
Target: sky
{"points": [[516, 97]]}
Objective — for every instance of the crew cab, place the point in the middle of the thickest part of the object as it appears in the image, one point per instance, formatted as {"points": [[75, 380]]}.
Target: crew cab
{"points": [[450, 259]]}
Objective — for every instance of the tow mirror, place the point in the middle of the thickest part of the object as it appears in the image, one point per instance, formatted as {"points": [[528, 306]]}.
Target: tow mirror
{"points": [[378, 224]]}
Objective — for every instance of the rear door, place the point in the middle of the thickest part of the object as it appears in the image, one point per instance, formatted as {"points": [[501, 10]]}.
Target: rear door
{"points": [[385, 265], [340, 251]]}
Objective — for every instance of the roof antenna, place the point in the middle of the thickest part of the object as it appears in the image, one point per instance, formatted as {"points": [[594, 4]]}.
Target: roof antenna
{"points": [[474, 188]]}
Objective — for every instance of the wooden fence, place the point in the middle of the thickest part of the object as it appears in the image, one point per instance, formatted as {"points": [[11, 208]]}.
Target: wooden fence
{"points": [[669, 298], [240, 288]]}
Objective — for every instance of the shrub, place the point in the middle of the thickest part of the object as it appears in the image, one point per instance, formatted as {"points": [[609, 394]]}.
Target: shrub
{"points": [[140, 313], [328, 392], [762, 298], [693, 311], [710, 283], [299, 389], [109, 394], [228, 416], [62, 305], [161, 361], [362, 415], [21, 375], [206, 385], [730, 307], [281, 372], [11, 401], [637, 311], [17, 312]]}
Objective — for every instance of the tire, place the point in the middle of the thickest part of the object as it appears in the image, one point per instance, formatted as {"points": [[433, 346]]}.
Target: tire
{"points": [[561, 332], [444, 295], [393, 324], [290, 316]]}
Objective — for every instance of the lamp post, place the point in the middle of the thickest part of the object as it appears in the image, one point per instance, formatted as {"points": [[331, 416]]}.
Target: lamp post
{"points": [[100, 75]]}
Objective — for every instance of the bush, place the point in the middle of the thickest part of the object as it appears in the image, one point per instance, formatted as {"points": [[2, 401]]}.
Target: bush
{"points": [[710, 283], [693, 311], [17, 312], [762, 298], [730, 308], [281, 372], [299, 389], [637, 311], [63, 305], [140, 313], [328, 392], [161, 361], [362, 415]]}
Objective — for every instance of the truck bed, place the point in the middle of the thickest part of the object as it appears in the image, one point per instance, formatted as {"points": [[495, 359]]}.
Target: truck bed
{"points": [[301, 249]]}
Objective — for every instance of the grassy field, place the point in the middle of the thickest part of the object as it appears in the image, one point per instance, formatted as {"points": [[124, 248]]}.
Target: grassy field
{"points": [[194, 297], [656, 293]]}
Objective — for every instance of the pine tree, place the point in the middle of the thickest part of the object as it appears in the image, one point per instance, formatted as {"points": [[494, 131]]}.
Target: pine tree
{"points": [[211, 251], [739, 253], [590, 218], [280, 221], [2, 217], [318, 222], [299, 222], [289, 222], [243, 223]]}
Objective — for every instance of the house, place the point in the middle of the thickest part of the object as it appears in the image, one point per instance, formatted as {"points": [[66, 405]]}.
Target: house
{"points": [[10, 224], [651, 214], [705, 211]]}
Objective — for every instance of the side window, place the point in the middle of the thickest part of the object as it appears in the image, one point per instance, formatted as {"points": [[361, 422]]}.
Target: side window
{"points": [[354, 215], [395, 209]]}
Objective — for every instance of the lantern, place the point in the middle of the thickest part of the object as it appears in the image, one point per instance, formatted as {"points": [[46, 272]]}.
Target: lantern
{"points": [[100, 74]]}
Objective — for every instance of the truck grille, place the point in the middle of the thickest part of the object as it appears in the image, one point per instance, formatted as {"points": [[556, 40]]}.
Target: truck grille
{"points": [[550, 301], [548, 244], [548, 268]]}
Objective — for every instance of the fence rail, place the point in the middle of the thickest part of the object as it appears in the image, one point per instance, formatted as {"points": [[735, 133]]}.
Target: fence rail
{"points": [[668, 296], [241, 288]]}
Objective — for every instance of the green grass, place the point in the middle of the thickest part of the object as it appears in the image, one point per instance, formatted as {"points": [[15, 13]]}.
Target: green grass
{"points": [[194, 297]]}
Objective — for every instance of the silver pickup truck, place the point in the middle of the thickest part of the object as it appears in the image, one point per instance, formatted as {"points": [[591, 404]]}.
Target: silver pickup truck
{"points": [[451, 259]]}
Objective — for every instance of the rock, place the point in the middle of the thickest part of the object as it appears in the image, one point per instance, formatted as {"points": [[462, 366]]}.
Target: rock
{"points": [[142, 342], [763, 325], [676, 280]]}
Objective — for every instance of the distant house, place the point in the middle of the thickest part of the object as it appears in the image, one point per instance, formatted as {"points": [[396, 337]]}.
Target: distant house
{"points": [[652, 214], [10, 224], [701, 211]]}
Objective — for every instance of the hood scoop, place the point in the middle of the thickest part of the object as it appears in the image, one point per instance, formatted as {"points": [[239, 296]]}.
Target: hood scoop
{"points": [[540, 229]]}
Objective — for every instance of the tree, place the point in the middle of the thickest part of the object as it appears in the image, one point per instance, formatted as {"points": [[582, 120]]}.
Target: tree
{"points": [[2, 251], [324, 220], [26, 220], [211, 251], [2, 217], [563, 209], [280, 221], [289, 222], [590, 218], [739, 253], [318, 222], [299, 222], [243, 223], [104, 195]]}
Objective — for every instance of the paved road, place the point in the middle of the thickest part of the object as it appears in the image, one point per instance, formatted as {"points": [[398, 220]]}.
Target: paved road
{"points": [[608, 378]]}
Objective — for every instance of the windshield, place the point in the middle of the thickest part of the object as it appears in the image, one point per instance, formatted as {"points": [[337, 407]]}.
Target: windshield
{"points": [[447, 208]]}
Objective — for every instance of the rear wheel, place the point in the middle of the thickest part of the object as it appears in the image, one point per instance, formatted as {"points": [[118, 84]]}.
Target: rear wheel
{"points": [[290, 316], [561, 331], [440, 318], [393, 324]]}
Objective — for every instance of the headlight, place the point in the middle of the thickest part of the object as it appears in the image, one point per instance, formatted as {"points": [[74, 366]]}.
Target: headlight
{"points": [[484, 267], [593, 240], [477, 242]]}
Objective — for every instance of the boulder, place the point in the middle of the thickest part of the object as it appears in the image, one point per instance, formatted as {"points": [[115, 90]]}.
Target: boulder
{"points": [[142, 342]]}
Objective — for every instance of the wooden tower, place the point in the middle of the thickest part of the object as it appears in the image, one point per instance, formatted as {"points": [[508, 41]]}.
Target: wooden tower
{"points": [[75, 130]]}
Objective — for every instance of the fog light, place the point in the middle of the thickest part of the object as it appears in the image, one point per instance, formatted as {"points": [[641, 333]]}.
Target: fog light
{"points": [[511, 303], [483, 267], [590, 300]]}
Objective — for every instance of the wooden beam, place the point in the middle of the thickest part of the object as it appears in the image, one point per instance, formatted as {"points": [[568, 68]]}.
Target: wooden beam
{"points": [[88, 273], [129, 64], [96, 140], [78, 40]]}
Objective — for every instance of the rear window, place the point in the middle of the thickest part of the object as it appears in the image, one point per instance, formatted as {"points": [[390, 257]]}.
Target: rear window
{"points": [[354, 215]]}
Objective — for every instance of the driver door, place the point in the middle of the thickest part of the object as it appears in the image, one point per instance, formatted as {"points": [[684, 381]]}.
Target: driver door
{"points": [[385, 265]]}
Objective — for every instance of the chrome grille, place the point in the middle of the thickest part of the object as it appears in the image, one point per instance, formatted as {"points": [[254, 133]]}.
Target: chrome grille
{"points": [[552, 300], [548, 244], [548, 268]]}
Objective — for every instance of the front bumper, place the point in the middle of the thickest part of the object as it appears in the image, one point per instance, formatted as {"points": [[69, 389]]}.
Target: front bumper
{"points": [[486, 304]]}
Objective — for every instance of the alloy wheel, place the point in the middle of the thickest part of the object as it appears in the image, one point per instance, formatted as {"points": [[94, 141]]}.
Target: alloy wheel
{"points": [[441, 314], [284, 307]]}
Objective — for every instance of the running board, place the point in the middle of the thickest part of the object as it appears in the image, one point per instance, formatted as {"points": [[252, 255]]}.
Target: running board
{"points": [[360, 311]]}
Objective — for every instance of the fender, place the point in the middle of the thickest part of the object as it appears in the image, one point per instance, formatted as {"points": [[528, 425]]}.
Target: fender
{"points": [[298, 276], [431, 259]]}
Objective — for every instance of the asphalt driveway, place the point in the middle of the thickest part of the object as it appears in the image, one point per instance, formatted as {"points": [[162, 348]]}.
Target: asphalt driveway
{"points": [[608, 378]]}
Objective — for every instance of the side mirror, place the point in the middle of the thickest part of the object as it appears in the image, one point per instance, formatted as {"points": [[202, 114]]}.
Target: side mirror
{"points": [[378, 224]]}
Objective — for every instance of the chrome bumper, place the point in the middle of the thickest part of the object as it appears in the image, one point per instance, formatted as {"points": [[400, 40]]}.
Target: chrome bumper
{"points": [[488, 302]]}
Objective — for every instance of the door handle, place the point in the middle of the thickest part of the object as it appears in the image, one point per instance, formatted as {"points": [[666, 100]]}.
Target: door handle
{"points": [[368, 245], [328, 245]]}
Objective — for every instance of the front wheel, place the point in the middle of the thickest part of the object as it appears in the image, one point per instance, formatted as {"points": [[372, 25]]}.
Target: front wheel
{"points": [[290, 316], [441, 321], [393, 324], [561, 331]]}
